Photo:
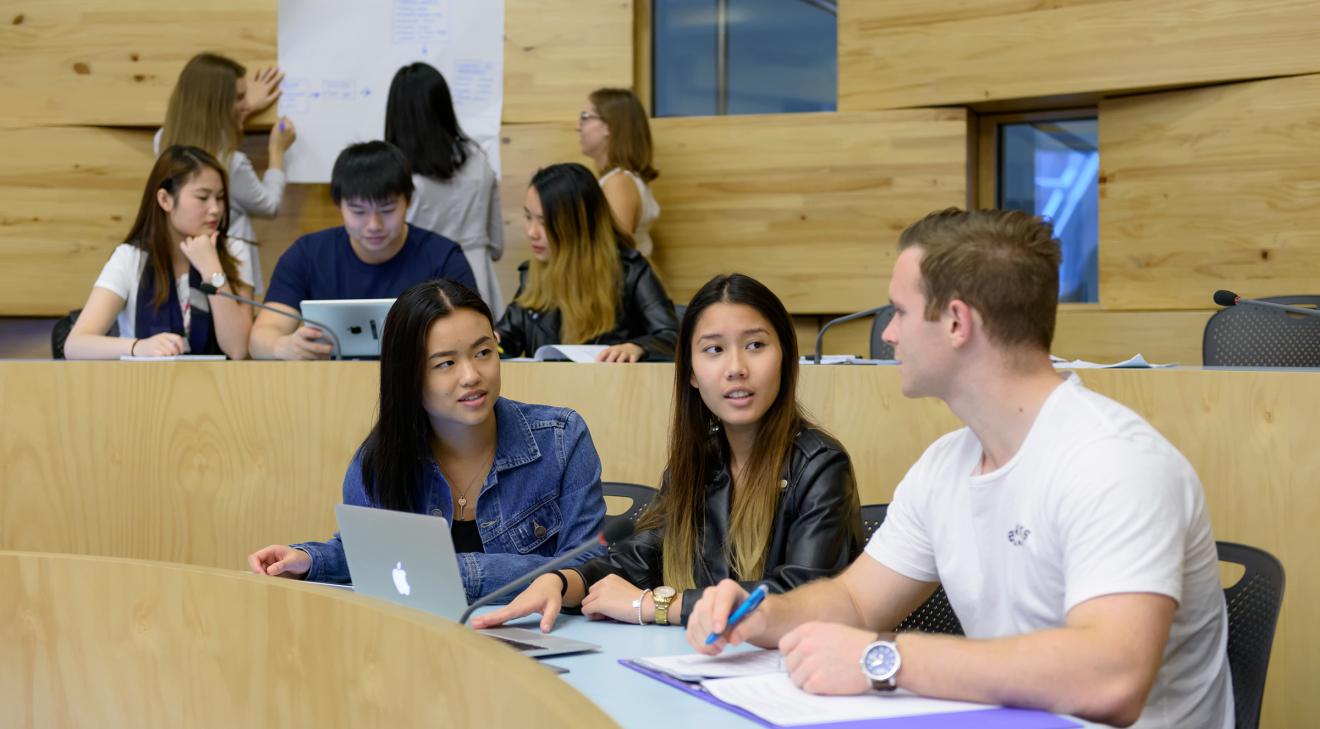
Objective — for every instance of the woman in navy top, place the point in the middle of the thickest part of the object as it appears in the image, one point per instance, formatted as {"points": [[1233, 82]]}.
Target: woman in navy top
{"points": [[519, 483]]}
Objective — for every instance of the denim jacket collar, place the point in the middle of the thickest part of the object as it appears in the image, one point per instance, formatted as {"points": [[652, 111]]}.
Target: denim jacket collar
{"points": [[514, 443]]}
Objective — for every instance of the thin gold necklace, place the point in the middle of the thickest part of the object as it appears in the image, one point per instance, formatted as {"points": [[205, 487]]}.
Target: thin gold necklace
{"points": [[462, 497]]}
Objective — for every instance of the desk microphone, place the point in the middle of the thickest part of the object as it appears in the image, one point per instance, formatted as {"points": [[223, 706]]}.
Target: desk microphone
{"points": [[613, 532], [210, 290], [1228, 298], [851, 317]]}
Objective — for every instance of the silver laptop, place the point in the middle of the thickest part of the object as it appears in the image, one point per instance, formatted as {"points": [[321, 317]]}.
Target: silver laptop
{"points": [[409, 559], [359, 323]]}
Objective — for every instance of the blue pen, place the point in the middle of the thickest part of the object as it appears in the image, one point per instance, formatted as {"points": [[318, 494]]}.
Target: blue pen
{"points": [[752, 602]]}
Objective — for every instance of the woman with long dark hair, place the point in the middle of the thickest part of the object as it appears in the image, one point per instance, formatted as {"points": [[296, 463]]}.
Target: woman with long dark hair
{"points": [[150, 284], [457, 194], [586, 282], [753, 490], [518, 483]]}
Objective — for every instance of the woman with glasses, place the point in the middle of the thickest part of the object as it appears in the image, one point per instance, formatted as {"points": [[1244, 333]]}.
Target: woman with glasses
{"points": [[613, 132]]}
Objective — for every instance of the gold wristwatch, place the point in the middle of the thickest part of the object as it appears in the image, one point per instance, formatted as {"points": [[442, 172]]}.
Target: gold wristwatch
{"points": [[663, 596]]}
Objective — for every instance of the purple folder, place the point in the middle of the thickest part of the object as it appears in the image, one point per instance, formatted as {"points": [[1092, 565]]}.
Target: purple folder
{"points": [[1003, 718]]}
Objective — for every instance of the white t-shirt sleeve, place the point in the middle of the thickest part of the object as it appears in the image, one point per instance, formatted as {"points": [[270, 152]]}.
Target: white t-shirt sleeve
{"points": [[902, 543], [120, 274], [1125, 516]]}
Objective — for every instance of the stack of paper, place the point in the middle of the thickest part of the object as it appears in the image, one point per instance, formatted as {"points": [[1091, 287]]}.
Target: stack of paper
{"points": [[753, 683]]}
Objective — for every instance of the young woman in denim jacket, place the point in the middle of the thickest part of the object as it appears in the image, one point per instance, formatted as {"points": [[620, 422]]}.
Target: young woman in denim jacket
{"points": [[753, 490], [519, 483]]}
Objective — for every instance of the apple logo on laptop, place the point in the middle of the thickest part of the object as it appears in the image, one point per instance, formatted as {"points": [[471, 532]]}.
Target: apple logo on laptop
{"points": [[401, 579]]}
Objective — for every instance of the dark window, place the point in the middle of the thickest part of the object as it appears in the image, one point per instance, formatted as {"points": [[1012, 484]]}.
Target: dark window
{"points": [[744, 56], [1051, 168]]}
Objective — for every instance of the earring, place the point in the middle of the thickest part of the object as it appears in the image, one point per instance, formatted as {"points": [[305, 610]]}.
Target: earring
{"points": [[714, 426]]}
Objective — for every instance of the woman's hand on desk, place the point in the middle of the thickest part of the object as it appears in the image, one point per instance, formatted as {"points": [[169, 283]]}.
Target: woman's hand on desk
{"points": [[542, 596], [626, 352], [612, 597], [279, 560]]}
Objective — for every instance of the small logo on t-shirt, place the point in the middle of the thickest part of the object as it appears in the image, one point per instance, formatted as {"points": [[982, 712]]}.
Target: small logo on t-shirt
{"points": [[1019, 535]]}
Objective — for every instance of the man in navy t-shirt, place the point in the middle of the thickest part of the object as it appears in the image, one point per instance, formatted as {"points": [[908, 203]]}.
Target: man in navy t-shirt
{"points": [[374, 255]]}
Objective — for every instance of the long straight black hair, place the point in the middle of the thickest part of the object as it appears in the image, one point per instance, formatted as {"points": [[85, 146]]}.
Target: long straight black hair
{"points": [[695, 452], [420, 120], [395, 453]]}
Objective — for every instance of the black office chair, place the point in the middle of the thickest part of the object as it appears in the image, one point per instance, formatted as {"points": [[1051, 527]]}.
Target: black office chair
{"points": [[1253, 612], [1257, 336], [880, 350], [640, 495], [60, 332], [935, 615]]}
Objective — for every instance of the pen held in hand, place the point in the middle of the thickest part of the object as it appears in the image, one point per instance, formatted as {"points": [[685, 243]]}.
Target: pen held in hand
{"points": [[743, 610]]}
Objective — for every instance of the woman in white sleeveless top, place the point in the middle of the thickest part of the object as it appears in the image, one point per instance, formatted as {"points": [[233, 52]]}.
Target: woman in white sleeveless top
{"points": [[613, 131], [456, 192]]}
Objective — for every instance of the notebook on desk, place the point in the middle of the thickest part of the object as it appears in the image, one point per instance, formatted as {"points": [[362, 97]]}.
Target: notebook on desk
{"points": [[409, 559], [754, 685]]}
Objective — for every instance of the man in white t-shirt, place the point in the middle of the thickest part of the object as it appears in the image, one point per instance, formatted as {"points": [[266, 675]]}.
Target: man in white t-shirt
{"points": [[1071, 537]]}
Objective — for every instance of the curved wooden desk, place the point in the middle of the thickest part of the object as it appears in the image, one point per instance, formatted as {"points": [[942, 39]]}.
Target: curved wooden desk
{"points": [[93, 641]]}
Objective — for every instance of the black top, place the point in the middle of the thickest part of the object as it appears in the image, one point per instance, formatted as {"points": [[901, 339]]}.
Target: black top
{"points": [[466, 537], [817, 529], [645, 316]]}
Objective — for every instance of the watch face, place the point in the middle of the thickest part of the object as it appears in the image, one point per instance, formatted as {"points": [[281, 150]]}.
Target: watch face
{"points": [[881, 661], [217, 280], [665, 592]]}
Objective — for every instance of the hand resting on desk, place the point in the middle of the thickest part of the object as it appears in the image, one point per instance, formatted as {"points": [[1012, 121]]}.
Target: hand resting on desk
{"points": [[279, 560]]}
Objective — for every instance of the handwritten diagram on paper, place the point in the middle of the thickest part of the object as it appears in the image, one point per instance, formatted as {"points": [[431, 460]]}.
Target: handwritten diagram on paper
{"points": [[339, 56]]}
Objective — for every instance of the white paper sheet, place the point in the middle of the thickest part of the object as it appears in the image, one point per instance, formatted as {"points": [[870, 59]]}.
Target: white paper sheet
{"points": [[773, 697], [173, 358], [339, 57], [694, 666], [571, 352], [1136, 362]]}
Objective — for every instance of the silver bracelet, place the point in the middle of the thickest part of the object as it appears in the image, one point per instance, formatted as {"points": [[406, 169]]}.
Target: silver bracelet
{"points": [[640, 601]]}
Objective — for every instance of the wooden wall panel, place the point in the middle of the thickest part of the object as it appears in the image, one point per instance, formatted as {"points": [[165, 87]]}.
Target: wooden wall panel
{"points": [[908, 53], [1088, 333], [67, 197], [114, 62], [556, 52], [202, 462], [811, 204], [1210, 188]]}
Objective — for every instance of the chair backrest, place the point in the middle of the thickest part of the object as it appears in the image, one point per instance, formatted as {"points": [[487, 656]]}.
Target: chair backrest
{"points": [[1257, 336], [1253, 611], [880, 350], [935, 615], [640, 495], [60, 332]]}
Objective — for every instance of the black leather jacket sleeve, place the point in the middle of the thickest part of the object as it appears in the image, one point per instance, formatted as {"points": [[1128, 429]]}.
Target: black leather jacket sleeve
{"points": [[638, 559], [652, 314], [512, 331], [818, 531]]}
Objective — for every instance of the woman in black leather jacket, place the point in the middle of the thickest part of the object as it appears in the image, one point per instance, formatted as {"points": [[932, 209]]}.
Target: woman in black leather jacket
{"points": [[753, 491], [586, 282]]}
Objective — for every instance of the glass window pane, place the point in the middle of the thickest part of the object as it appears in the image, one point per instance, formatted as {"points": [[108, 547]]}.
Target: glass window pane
{"points": [[684, 43], [1051, 169], [783, 57]]}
